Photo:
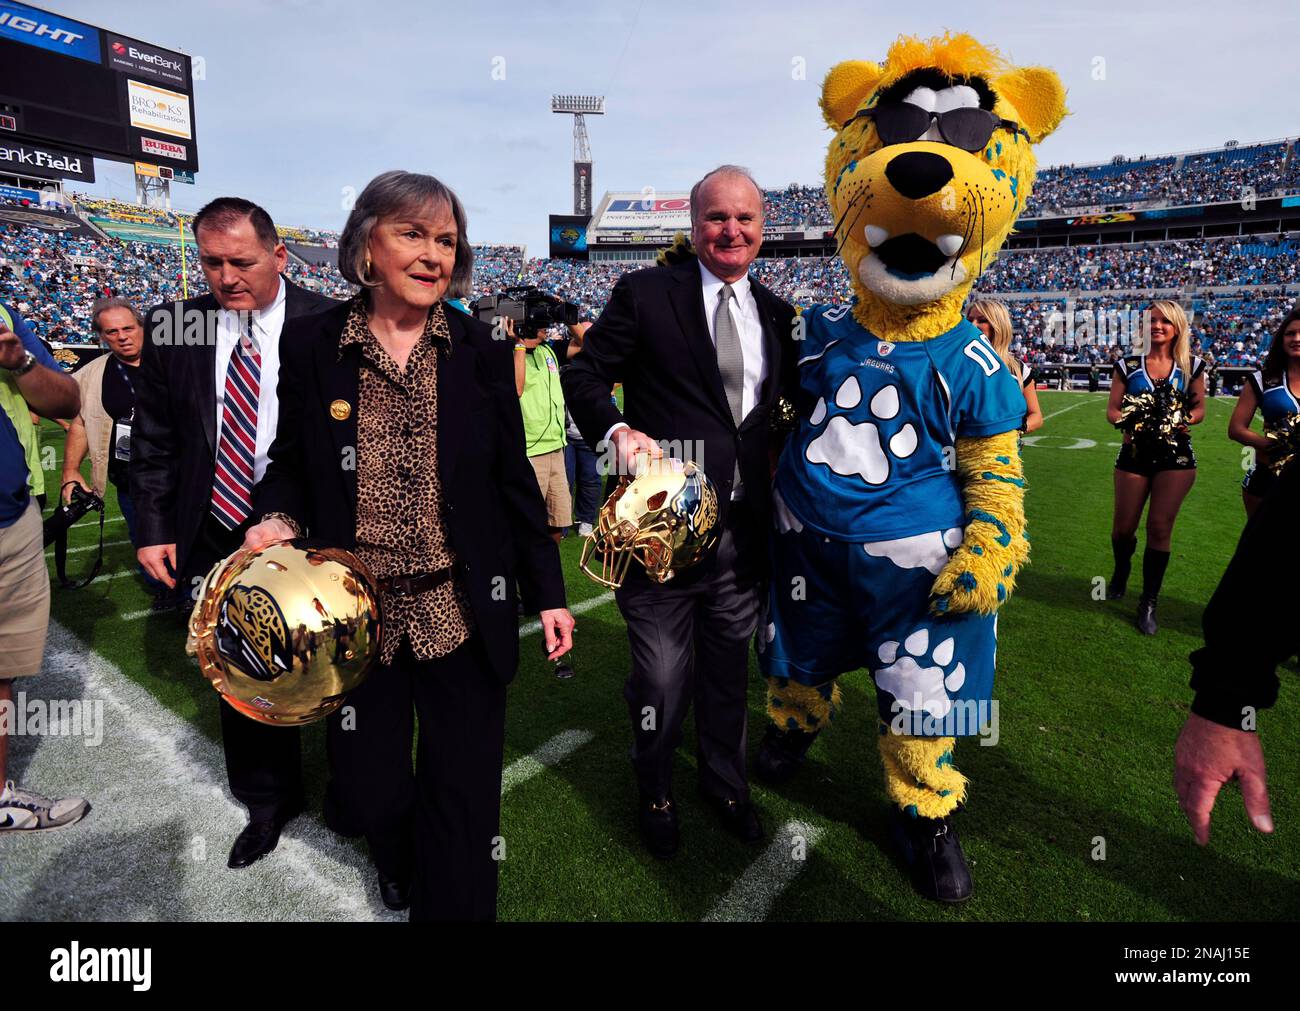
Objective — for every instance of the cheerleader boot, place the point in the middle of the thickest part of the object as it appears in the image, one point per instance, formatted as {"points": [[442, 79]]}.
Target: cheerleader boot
{"points": [[926, 790]]}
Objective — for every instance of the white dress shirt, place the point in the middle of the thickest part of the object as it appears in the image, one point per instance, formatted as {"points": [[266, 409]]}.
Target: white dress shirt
{"points": [[744, 313], [267, 324]]}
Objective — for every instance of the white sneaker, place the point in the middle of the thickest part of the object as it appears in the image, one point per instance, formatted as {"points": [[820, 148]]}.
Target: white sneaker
{"points": [[24, 811], [584, 529]]}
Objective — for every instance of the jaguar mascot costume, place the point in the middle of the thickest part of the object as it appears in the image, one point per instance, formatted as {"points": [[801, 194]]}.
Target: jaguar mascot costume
{"points": [[899, 496]]}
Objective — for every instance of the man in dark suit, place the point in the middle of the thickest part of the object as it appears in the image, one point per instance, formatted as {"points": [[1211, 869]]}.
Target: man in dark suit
{"points": [[703, 352], [205, 418]]}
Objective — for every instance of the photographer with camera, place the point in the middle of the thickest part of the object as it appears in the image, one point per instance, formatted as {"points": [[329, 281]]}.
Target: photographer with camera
{"points": [[541, 402], [29, 378], [103, 427]]}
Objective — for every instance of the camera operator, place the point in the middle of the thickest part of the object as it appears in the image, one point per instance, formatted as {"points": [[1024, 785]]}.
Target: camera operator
{"points": [[29, 377], [103, 427], [541, 401]]}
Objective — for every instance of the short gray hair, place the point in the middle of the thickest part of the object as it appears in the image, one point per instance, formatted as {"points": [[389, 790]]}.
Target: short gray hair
{"points": [[396, 193], [102, 305], [725, 170]]}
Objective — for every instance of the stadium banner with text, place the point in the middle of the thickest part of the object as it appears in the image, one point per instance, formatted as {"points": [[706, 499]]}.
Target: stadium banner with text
{"points": [[48, 31], [29, 158], [18, 193], [643, 212], [632, 238], [568, 236], [582, 188], [158, 110], [49, 221], [133, 57]]}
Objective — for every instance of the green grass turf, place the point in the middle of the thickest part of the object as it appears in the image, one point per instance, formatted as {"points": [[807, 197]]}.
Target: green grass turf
{"points": [[1089, 711]]}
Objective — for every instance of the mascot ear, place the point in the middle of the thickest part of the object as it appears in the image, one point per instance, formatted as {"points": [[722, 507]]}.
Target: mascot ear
{"points": [[845, 87], [1038, 96]]}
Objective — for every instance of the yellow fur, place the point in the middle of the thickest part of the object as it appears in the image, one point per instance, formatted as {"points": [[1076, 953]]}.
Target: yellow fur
{"points": [[916, 777], [808, 707], [991, 552]]}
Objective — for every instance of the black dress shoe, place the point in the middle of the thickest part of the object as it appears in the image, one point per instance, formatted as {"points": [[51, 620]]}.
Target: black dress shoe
{"points": [[1146, 617], [781, 753], [933, 853], [396, 894], [657, 821], [737, 817], [260, 837], [1115, 591]]}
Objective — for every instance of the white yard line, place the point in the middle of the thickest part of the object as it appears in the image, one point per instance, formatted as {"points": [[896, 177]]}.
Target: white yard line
{"points": [[754, 893], [1091, 400], [154, 845], [554, 751], [578, 608], [89, 547]]}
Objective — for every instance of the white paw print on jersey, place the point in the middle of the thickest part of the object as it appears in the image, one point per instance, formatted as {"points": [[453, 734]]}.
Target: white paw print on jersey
{"points": [[914, 685], [920, 551], [852, 449]]}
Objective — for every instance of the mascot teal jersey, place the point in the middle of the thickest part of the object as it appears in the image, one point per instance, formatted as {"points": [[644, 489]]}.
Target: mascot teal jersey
{"points": [[875, 458]]}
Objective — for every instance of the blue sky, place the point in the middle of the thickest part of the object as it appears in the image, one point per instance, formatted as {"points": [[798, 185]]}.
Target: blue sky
{"points": [[305, 98]]}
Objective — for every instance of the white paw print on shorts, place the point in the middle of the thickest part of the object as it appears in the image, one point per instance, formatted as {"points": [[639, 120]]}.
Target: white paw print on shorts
{"points": [[850, 448], [914, 685]]}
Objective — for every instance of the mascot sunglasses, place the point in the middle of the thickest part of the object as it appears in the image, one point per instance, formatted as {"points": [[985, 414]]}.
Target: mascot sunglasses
{"points": [[903, 123]]}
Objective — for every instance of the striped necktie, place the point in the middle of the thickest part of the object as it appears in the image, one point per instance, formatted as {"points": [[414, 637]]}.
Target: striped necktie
{"points": [[232, 488], [731, 366]]}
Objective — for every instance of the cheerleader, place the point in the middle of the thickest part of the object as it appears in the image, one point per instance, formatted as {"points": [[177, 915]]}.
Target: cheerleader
{"points": [[1165, 475], [994, 322], [1270, 390]]}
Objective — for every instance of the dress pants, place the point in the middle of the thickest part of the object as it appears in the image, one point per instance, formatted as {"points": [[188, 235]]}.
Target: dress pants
{"points": [[689, 640], [438, 826], [263, 763]]}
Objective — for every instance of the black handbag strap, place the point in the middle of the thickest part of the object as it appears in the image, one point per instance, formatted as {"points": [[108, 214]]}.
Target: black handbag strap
{"points": [[61, 550]]}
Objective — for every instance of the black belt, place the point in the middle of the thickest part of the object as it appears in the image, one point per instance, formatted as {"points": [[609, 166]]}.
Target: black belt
{"points": [[409, 586]]}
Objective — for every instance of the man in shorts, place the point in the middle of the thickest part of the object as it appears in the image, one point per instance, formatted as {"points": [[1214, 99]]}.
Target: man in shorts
{"points": [[29, 378]]}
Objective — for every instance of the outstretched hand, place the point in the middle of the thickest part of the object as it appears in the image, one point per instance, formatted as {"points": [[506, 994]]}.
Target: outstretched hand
{"points": [[1208, 755]]}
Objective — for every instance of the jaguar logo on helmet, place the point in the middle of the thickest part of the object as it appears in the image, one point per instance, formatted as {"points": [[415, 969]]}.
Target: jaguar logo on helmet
{"points": [[252, 632], [666, 518]]}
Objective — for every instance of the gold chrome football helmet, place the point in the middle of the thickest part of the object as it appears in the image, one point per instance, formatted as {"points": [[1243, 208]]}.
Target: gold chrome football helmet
{"points": [[666, 517], [286, 632]]}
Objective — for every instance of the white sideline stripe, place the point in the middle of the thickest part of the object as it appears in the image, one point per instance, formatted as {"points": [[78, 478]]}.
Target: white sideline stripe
{"points": [[158, 783], [89, 547], [554, 751], [751, 898], [95, 522], [578, 608], [1090, 400]]}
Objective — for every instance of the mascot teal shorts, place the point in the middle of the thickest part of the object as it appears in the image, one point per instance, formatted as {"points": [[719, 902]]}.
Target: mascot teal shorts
{"points": [[835, 606]]}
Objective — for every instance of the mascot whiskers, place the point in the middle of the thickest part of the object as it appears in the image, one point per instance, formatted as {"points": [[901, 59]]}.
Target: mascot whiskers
{"points": [[899, 497]]}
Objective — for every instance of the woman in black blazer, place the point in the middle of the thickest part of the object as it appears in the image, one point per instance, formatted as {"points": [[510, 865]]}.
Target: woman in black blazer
{"points": [[400, 438]]}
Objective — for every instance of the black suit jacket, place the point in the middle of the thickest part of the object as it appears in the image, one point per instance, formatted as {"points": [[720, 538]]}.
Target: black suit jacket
{"points": [[174, 436], [654, 339], [495, 516]]}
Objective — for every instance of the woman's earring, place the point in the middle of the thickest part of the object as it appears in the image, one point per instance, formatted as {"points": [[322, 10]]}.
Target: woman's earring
{"points": [[367, 266]]}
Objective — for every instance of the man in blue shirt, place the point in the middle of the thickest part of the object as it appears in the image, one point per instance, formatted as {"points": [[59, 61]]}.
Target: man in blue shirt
{"points": [[29, 377]]}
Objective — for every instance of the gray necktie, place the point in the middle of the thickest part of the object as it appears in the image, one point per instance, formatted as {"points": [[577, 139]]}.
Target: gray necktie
{"points": [[731, 360]]}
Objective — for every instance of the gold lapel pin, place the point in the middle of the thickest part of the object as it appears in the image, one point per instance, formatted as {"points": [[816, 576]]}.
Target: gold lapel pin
{"points": [[340, 410]]}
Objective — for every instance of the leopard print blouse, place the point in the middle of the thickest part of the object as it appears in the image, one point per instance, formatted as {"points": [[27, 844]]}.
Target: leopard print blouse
{"points": [[401, 529]]}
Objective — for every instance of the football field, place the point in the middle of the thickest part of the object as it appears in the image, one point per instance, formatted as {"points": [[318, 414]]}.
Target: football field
{"points": [[1071, 814]]}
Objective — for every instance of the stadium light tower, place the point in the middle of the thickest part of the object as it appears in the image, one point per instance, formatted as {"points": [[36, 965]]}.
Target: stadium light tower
{"points": [[579, 107]]}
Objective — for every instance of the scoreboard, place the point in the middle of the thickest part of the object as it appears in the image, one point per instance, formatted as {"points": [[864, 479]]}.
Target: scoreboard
{"points": [[69, 90]]}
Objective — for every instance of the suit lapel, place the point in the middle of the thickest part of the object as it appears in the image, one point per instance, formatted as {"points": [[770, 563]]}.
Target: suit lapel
{"points": [[340, 382], [455, 374], [205, 381], [767, 314], [686, 294]]}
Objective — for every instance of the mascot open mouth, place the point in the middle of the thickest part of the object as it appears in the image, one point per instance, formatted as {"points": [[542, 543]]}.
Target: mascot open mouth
{"points": [[911, 257]]}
